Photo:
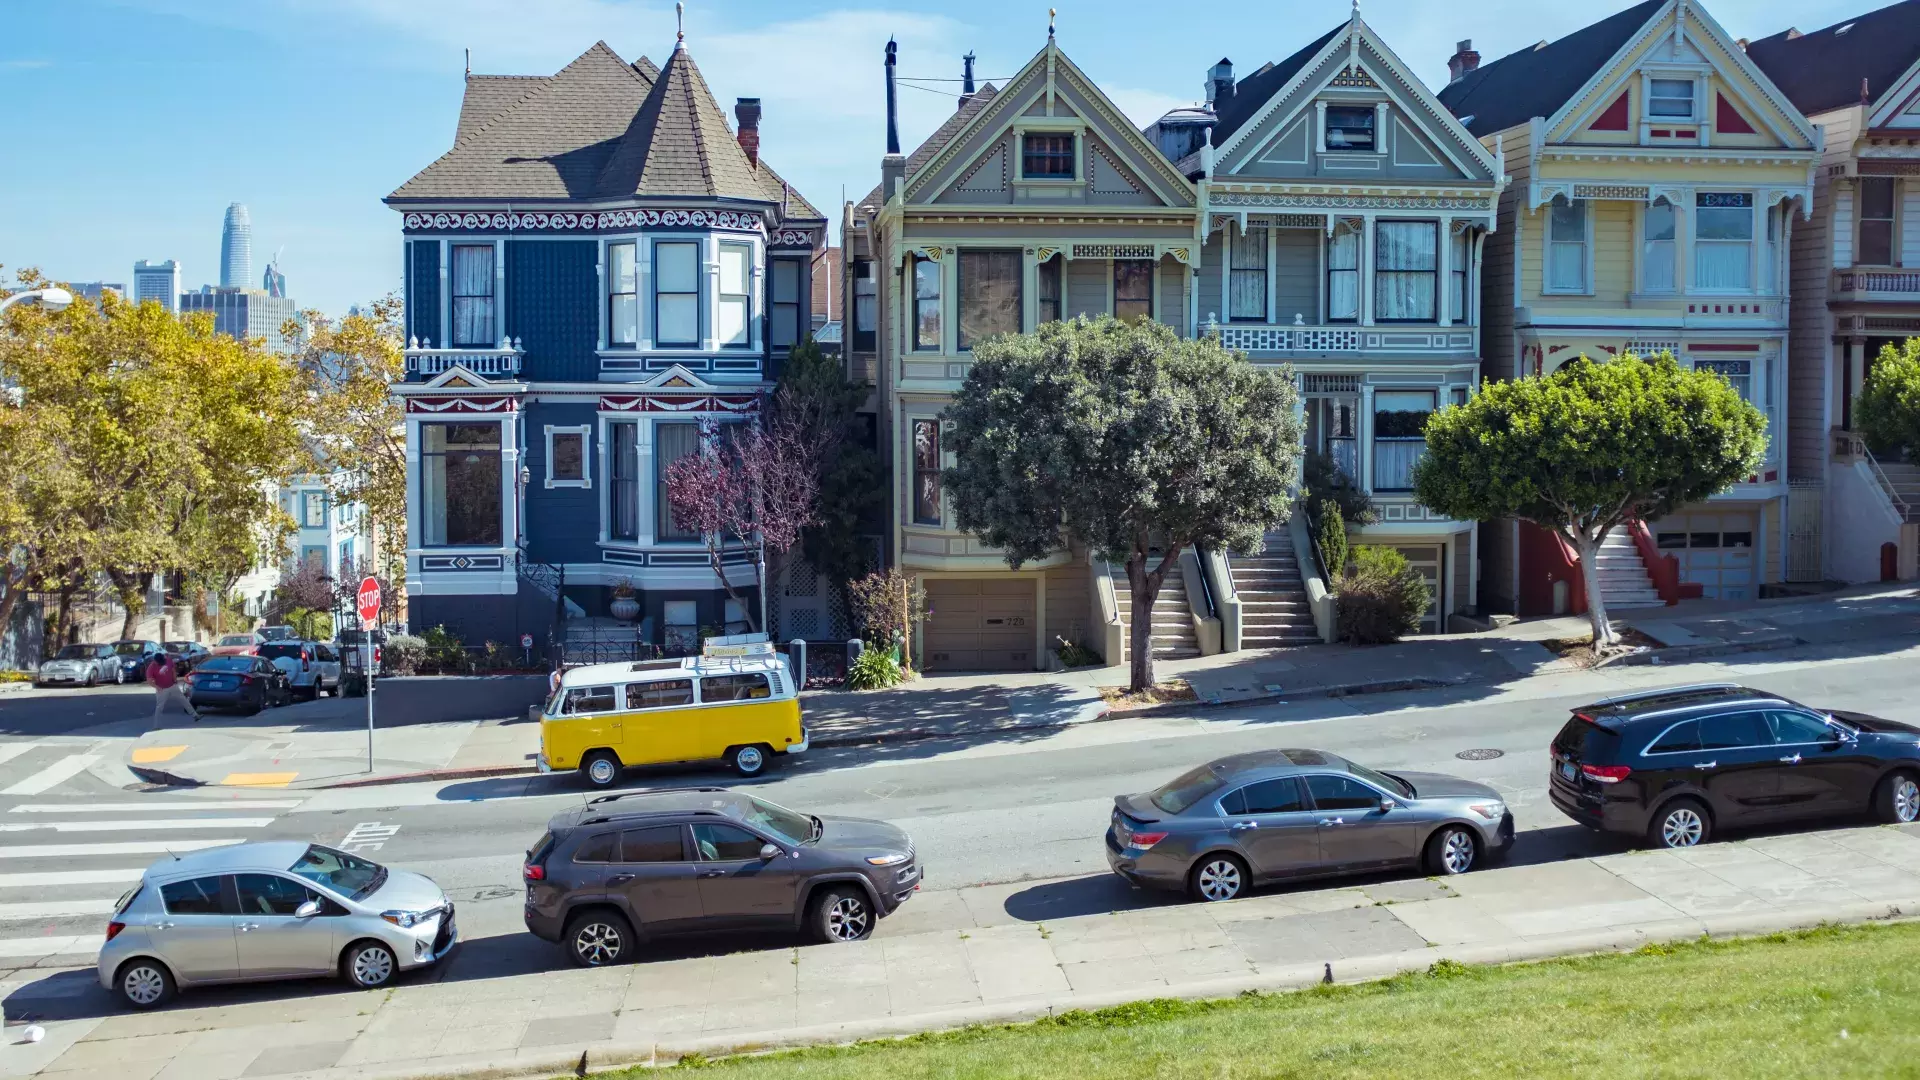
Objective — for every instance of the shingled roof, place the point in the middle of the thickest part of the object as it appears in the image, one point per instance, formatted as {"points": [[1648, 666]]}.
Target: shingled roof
{"points": [[1252, 92], [938, 141], [600, 128], [1539, 79], [1822, 70]]}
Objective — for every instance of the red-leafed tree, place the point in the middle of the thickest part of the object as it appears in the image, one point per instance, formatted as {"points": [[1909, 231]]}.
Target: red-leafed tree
{"points": [[750, 484]]}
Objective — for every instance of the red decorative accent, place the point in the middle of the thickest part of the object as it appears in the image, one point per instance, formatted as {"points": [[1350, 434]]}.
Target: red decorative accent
{"points": [[1773, 476], [1558, 348], [419, 404], [1662, 133], [1610, 350], [1664, 569], [1727, 119], [1681, 133], [1615, 118], [673, 403], [1546, 559]]}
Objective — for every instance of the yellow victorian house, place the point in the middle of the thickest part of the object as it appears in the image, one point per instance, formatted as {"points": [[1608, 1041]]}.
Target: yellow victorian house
{"points": [[1656, 178]]}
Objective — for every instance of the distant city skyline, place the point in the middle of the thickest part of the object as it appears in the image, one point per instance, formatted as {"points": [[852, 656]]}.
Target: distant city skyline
{"points": [[157, 281], [236, 248]]}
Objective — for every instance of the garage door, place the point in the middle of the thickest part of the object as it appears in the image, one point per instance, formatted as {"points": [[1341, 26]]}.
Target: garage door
{"points": [[1715, 550], [1426, 562], [979, 624]]}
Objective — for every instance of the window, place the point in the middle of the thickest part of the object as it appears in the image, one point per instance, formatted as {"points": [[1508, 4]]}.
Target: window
{"points": [[656, 845], [1048, 275], [1670, 99], [1723, 240], [1679, 739], [460, 485], [926, 303], [720, 843], [339, 871], [1731, 731], [623, 296], [314, 556], [1406, 261], [200, 896], [567, 457], [676, 293], [1176, 795], [682, 619], [784, 331], [731, 317], [1737, 372], [1046, 156], [1247, 276], [865, 301], [313, 509], [587, 699], [664, 694], [1343, 273], [671, 442], [1341, 793], [1567, 245], [1132, 289], [1797, 728], [597, 848], [270, 894], [1876, 222], [1657, 250], [989, 295], [734, 688], [1399, 436], [1279, 796], [473, 295], [623, 462], [1459, 264], [1350, 127], [926, 472]]}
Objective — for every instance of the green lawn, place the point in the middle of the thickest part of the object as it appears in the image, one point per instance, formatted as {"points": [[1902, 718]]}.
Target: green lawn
{"points": [[1824, 1003]]}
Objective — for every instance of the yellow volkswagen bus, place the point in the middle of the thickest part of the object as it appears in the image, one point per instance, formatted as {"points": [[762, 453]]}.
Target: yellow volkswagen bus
{"points": [[735, 702]]}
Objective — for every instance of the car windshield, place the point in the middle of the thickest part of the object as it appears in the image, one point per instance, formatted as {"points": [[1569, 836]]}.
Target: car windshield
{"points": [[227, 663], [237, 639], [281, 651], [1187, 789], [77, 652], [339, 871], [129, 648], [1380, 780], [178, 646], [276, 633], [789, 825]]}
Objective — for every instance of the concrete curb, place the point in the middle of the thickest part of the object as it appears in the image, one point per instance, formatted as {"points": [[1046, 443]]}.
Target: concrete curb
{"points": [[1682, 653], [1335, 690], [476, 772]]}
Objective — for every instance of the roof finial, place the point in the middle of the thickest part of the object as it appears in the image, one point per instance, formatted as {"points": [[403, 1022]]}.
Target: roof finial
{"points": [[1051, 12], [680, 23], [1356, 8]]}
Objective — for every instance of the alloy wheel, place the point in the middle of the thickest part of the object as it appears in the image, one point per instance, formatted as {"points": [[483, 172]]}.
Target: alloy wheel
{"points": [[749, 760], [143, 984], [598, 944], [372, 966], [847, 919], [1457, 852], [1906, 799], [1219, 880], [1681, 828]]}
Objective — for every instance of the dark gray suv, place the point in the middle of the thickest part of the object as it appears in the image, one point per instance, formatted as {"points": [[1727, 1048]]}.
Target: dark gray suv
{"points": [[636, 865]]}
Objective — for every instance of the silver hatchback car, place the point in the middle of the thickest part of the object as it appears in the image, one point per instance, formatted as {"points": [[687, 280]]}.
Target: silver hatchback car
{"points": [[281, 910]]}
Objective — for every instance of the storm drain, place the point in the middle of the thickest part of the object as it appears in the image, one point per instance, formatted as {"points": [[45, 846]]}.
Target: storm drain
{"points": [[1485, 753]]}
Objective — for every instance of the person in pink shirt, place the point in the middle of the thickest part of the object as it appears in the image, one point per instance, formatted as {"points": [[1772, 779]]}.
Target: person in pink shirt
{"points": [[166, 687]]}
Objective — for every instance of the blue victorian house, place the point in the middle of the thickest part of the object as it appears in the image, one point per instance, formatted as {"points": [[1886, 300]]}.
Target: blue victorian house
{"points": [[598, 267]]}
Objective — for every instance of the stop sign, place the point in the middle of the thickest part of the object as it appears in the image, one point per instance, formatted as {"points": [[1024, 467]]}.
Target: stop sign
{"points": [[368, 599]]}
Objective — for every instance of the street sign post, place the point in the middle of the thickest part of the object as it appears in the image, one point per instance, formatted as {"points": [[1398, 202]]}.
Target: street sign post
{"points": [[367, 600]]}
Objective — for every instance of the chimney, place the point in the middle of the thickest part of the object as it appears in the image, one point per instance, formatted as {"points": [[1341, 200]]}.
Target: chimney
{"points": [[966, 80], [893, 167], [747, 111], [1464, 59], [1220, 84]]}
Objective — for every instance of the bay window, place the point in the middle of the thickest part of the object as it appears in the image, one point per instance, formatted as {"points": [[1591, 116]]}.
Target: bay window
{"points": [[1670, 99], [671, 442], [1876, 222], [1247, 277], [784, 320], [623, 465], [1399, 436], [926, 303], [1739, 373], [1047, 275], [1405, 266], [460, 474], [623, 295], [1460, 265], [733, 311], [1723, 240], [1567, 245], [1657, 248], [473, 296], [989, 295], [926, 472], [1132, 289], [1343, 273], [676, 292]]}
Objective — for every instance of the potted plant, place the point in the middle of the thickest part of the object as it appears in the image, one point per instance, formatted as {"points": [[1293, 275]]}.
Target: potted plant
{"points": [[624, 607]]}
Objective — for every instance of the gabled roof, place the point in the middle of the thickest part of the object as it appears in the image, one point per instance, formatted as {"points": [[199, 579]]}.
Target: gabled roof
{"points": [[1250, 93], [1822, 70], [938, 141], [1538, 80], [600, 128]]}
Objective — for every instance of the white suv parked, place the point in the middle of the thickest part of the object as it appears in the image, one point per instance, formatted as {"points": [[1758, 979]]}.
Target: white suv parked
{"points": [[313, 667]]}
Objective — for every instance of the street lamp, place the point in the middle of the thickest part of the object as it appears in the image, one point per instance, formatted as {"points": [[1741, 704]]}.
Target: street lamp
{"points": [[53, 298]]}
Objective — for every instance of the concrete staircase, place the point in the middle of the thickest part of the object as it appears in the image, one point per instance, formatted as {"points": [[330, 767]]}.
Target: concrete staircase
{"points": [[1172, 633], [1273, 600], [1903, 482], [1624, 580]]}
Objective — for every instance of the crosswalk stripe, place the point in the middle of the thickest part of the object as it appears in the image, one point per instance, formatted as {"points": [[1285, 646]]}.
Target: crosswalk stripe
{"points": [[143, 807], [125, 847], [60, 771], [51, 946], [117, 875], [128, 826], [14, 750], [57, 909]]}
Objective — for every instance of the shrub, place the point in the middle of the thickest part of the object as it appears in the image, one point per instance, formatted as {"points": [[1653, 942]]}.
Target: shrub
{"points": [[1381, 598], [444, 651], [1322, 479], [1889, 407], [499, 657], [1330, 529], [404, 654], [874, 669], [1073, 654], [886, 606]]}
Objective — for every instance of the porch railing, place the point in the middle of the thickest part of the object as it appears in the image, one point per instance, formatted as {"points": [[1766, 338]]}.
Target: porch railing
{"points": [[501, 362]]}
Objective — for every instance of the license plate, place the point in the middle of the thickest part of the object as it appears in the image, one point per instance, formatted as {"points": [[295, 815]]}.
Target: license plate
{"points": [[1567, 770], [219, 684]]}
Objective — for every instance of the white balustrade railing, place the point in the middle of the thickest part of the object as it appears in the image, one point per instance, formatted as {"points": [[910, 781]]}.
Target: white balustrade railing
{"points": [[498, 362]]}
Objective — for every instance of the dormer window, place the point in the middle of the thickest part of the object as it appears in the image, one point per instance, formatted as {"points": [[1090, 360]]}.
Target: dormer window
{"points": [[1670, 99], [1046, 156], [1350, 128]]}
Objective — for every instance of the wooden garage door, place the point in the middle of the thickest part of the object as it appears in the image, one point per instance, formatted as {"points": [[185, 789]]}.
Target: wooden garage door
{"points": [[979, 624], [1427, 561], [1715, 551]]}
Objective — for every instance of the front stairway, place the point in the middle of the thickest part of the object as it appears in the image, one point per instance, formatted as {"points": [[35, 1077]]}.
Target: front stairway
{"points": [[1903, 483], [1274, 611], [1624, 580], [1172, 633]]}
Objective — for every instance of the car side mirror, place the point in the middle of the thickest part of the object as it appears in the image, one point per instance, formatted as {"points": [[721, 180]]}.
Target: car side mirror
{"points": [[1388, 804], [770, 851], [307, 910]]}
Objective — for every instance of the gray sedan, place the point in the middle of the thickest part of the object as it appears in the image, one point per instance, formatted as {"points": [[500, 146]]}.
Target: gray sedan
{"points": [[81, 665], [1278, 814]]}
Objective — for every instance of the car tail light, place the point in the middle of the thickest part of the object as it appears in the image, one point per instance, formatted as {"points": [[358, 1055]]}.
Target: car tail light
{"points": [[534, 872], [114, 928], [303, 659], [1605, 774], [1145, 840]]}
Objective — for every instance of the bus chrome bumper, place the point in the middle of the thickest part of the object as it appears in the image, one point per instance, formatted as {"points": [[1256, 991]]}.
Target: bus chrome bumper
{"points": [[806, 737]]}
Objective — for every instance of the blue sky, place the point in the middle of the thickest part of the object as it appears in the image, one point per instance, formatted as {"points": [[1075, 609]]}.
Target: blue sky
{"points": [[127, 127]]}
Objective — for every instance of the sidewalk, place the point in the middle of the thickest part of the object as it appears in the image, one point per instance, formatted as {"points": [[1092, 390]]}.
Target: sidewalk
{"points": [[979, 955]]}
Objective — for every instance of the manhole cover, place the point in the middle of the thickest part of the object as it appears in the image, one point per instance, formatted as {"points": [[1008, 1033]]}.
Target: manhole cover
{"points": [[1485, 753]]}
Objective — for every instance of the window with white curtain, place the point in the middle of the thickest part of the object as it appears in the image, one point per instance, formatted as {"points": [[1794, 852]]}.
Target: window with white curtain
{"points": [[1406, 268], [1876, 221], [1343, 273], [676, 293], [1460, 265], [1656, 248], [734, 308], [1670, 99], [1737, 372], [473, 296], [1567, 245], [1399, 440], [1247, 276], [623, 296], [1723, 240], [671, 442]]}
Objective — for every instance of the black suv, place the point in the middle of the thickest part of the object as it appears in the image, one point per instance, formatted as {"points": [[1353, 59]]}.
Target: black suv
{"points": [[1677, 764], [645, 863]]}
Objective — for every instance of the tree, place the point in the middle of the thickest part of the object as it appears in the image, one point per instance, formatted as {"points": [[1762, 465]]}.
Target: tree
{"points": [[1889, 408], [823, 404], [1124, 438], [750, 483], [1588, 446]]}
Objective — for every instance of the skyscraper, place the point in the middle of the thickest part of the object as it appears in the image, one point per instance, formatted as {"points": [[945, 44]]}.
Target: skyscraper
{"points": [[273, 281], [236, 249], [158, 281]]}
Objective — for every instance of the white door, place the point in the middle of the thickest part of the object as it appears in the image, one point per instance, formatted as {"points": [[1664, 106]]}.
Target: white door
{"points": [[1715, 551]]}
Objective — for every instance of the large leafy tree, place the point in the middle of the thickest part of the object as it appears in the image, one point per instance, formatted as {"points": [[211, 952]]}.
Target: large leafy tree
{"points": [[1124, 438], [1889, 408], [815, 395], [1582, 449]]}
